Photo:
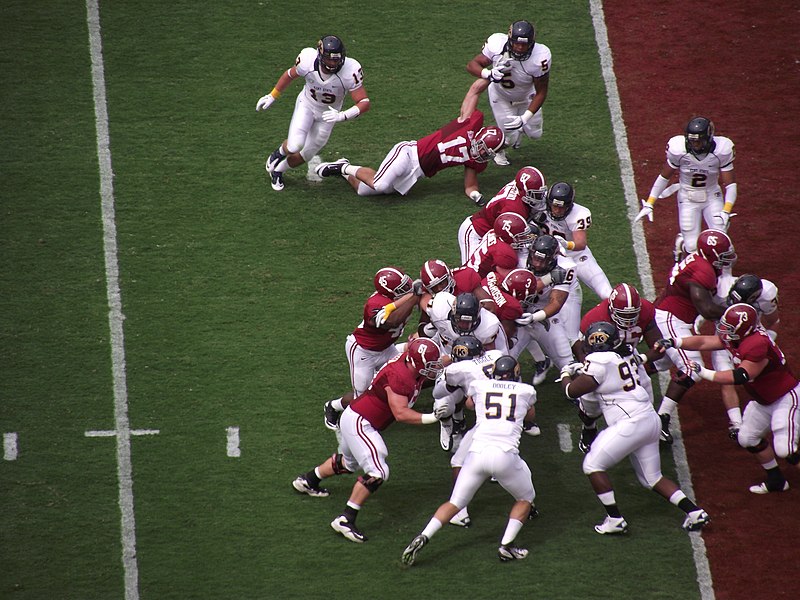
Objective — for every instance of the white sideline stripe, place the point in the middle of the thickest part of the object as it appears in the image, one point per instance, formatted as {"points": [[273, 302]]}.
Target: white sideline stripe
{"points": [[115, 315], [704, 580], [10, 446], [564, 437], [112, 433], [233, 442]]}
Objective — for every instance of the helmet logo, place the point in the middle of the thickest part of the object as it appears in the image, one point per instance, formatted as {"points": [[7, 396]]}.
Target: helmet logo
{"points": [[383, 281], [712, 240], [598, 338]]}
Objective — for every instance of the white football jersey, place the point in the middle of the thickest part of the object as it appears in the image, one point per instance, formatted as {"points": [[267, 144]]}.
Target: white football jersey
{"points": [[570, 285], [459, 375], [324, 90], [517, 85], [488, 330], [700, 177], [500, 407], [620, 394], [578, 219]]}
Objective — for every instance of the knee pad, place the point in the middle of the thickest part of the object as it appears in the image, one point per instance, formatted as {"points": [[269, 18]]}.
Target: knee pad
{"points": [[682, 379], [761, 446], [337, 464], [370, 482]]}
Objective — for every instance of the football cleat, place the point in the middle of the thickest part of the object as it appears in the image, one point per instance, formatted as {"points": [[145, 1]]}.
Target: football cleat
{"points": [[534, 512], [666, 436], [301, 485], [500, 159], [612, 526], [410, 553], [348, 529], [274, 160], [507, 552], [587, 437], [331, 417], [446, 434], [679, 250], [542, 367], [276, 181], [696, 520], [764, 488], [330, 169], [461, 518], [733, 431], [531, 429]]}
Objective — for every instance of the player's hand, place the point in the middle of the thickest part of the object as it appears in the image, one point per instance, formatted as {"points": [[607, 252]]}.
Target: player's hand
{"points": [[694, 366], [525, 319], [332, 115], [664, 344], [265, 102], [383, 314], [572, 369], [477, 198], [441, 412], [722, 220], [514, 123], [417, 287], [561, 242], [558, 275], [499, 71], [647, 211], [698, 324]]}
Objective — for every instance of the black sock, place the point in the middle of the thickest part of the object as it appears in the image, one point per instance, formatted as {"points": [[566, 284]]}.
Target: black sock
{"points": [[687, 505], [351, 513], [613, 511], [775, 479]]}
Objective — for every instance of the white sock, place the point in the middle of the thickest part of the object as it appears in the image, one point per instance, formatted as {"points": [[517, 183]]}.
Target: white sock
{"points": [[667, 407], [735, 415], [512, 529], [432, 527]]}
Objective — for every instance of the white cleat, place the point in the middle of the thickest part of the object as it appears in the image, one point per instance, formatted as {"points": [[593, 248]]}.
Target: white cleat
{"points": [[763, 488], [612, 526], [501, 160], [461, 518]]}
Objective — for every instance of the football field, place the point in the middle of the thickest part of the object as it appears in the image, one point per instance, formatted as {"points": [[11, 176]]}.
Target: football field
{"points": [[170, 327]]}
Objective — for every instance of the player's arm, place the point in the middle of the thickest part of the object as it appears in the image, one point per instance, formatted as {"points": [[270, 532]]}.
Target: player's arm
{"points": [[557, 300], [471, 188], [659, 185], [541, 84], [476, 66], [284, 81], [360, 99], [746, 371], [470, 102], [703, 301], [579, 240], [403, 413], [575, 386], [691, 342], [403, 307]]}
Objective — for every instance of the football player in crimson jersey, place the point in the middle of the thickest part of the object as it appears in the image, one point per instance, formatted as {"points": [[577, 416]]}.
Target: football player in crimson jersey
{"points": [[329, 74], [464, 141], [372, 342], [436, 277], [523, 196], [762, 370], [689, 293], [507, 307], [389, 398], [702, 161], [495, 254]]}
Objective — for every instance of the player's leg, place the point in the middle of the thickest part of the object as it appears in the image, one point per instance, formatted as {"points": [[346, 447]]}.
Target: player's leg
{"points": [[756, 424], [514, 475], [690, 221], [591, 274], [503, 111]]}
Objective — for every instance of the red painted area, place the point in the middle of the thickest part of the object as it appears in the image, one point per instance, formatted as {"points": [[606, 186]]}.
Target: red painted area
{"points": [[737, 62]]}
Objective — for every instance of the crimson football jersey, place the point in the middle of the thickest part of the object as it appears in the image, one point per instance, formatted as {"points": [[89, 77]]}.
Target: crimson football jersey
{"points": [[776, 379], [506, 200], [675, 298], [508, 307], [466, 280], [492, 253], [373, 404], [631, 336], [449, 146], [374, 338]]}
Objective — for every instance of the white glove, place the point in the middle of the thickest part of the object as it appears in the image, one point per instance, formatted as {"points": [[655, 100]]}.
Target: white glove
{"points": [[265, 102], [572, 369], [383, 314], [525, 319], [429, 329], [499, 71], [518, 122], [417, 287], [722, 220], [561, 242], [333, 115], [698, 323], [647, 211], [477, 198]]}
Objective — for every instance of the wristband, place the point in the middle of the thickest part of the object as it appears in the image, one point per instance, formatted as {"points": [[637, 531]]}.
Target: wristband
{"points": [[275, 93], [727, 208], [706, 374], [730, 196], [539, 315], [546, 279], [677, 342], [351, 113], [526, 116], [570, 245], [428, 418], [486, 73]]}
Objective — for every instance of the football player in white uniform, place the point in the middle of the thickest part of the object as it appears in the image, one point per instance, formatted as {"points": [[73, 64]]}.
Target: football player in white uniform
{"points": [[610, 383], [703, 161], [329, 74], [501, 404], [451, 317], [517, 71], [569, 221]]}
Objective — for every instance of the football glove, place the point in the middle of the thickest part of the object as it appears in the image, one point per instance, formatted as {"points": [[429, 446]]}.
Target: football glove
{"points": [[265, 102], [499, 71], [417, 287], [722, 220], [647, 211], [383, 314], [665, 343], [333, 116], [519, 121], [441, 412], [558, 275], [525, 319]]}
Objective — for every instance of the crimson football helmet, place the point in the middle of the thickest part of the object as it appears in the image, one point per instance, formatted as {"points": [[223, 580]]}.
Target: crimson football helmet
{"points": [[521, 284], [624, 305], [531, 187], [717, 248], [514, 230], [331, 53], [699, 136], [425, 357], [433, 274], [737, 322], [521, 39], [392, 282], [486, 143]]}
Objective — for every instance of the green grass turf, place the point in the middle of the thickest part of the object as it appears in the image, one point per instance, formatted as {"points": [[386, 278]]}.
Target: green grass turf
{"points": [[238, 301]]}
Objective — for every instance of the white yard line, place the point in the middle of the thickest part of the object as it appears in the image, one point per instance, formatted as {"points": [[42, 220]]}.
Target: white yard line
{"points": [[645, 272], [233, 449], [115, 315], [112, 433], [564, 437], [10, 446]]}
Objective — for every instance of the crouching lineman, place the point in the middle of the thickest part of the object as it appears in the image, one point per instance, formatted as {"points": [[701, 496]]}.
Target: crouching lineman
{"points": [[501, 404], [610, 383], [389, 398], [762, 370]]}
